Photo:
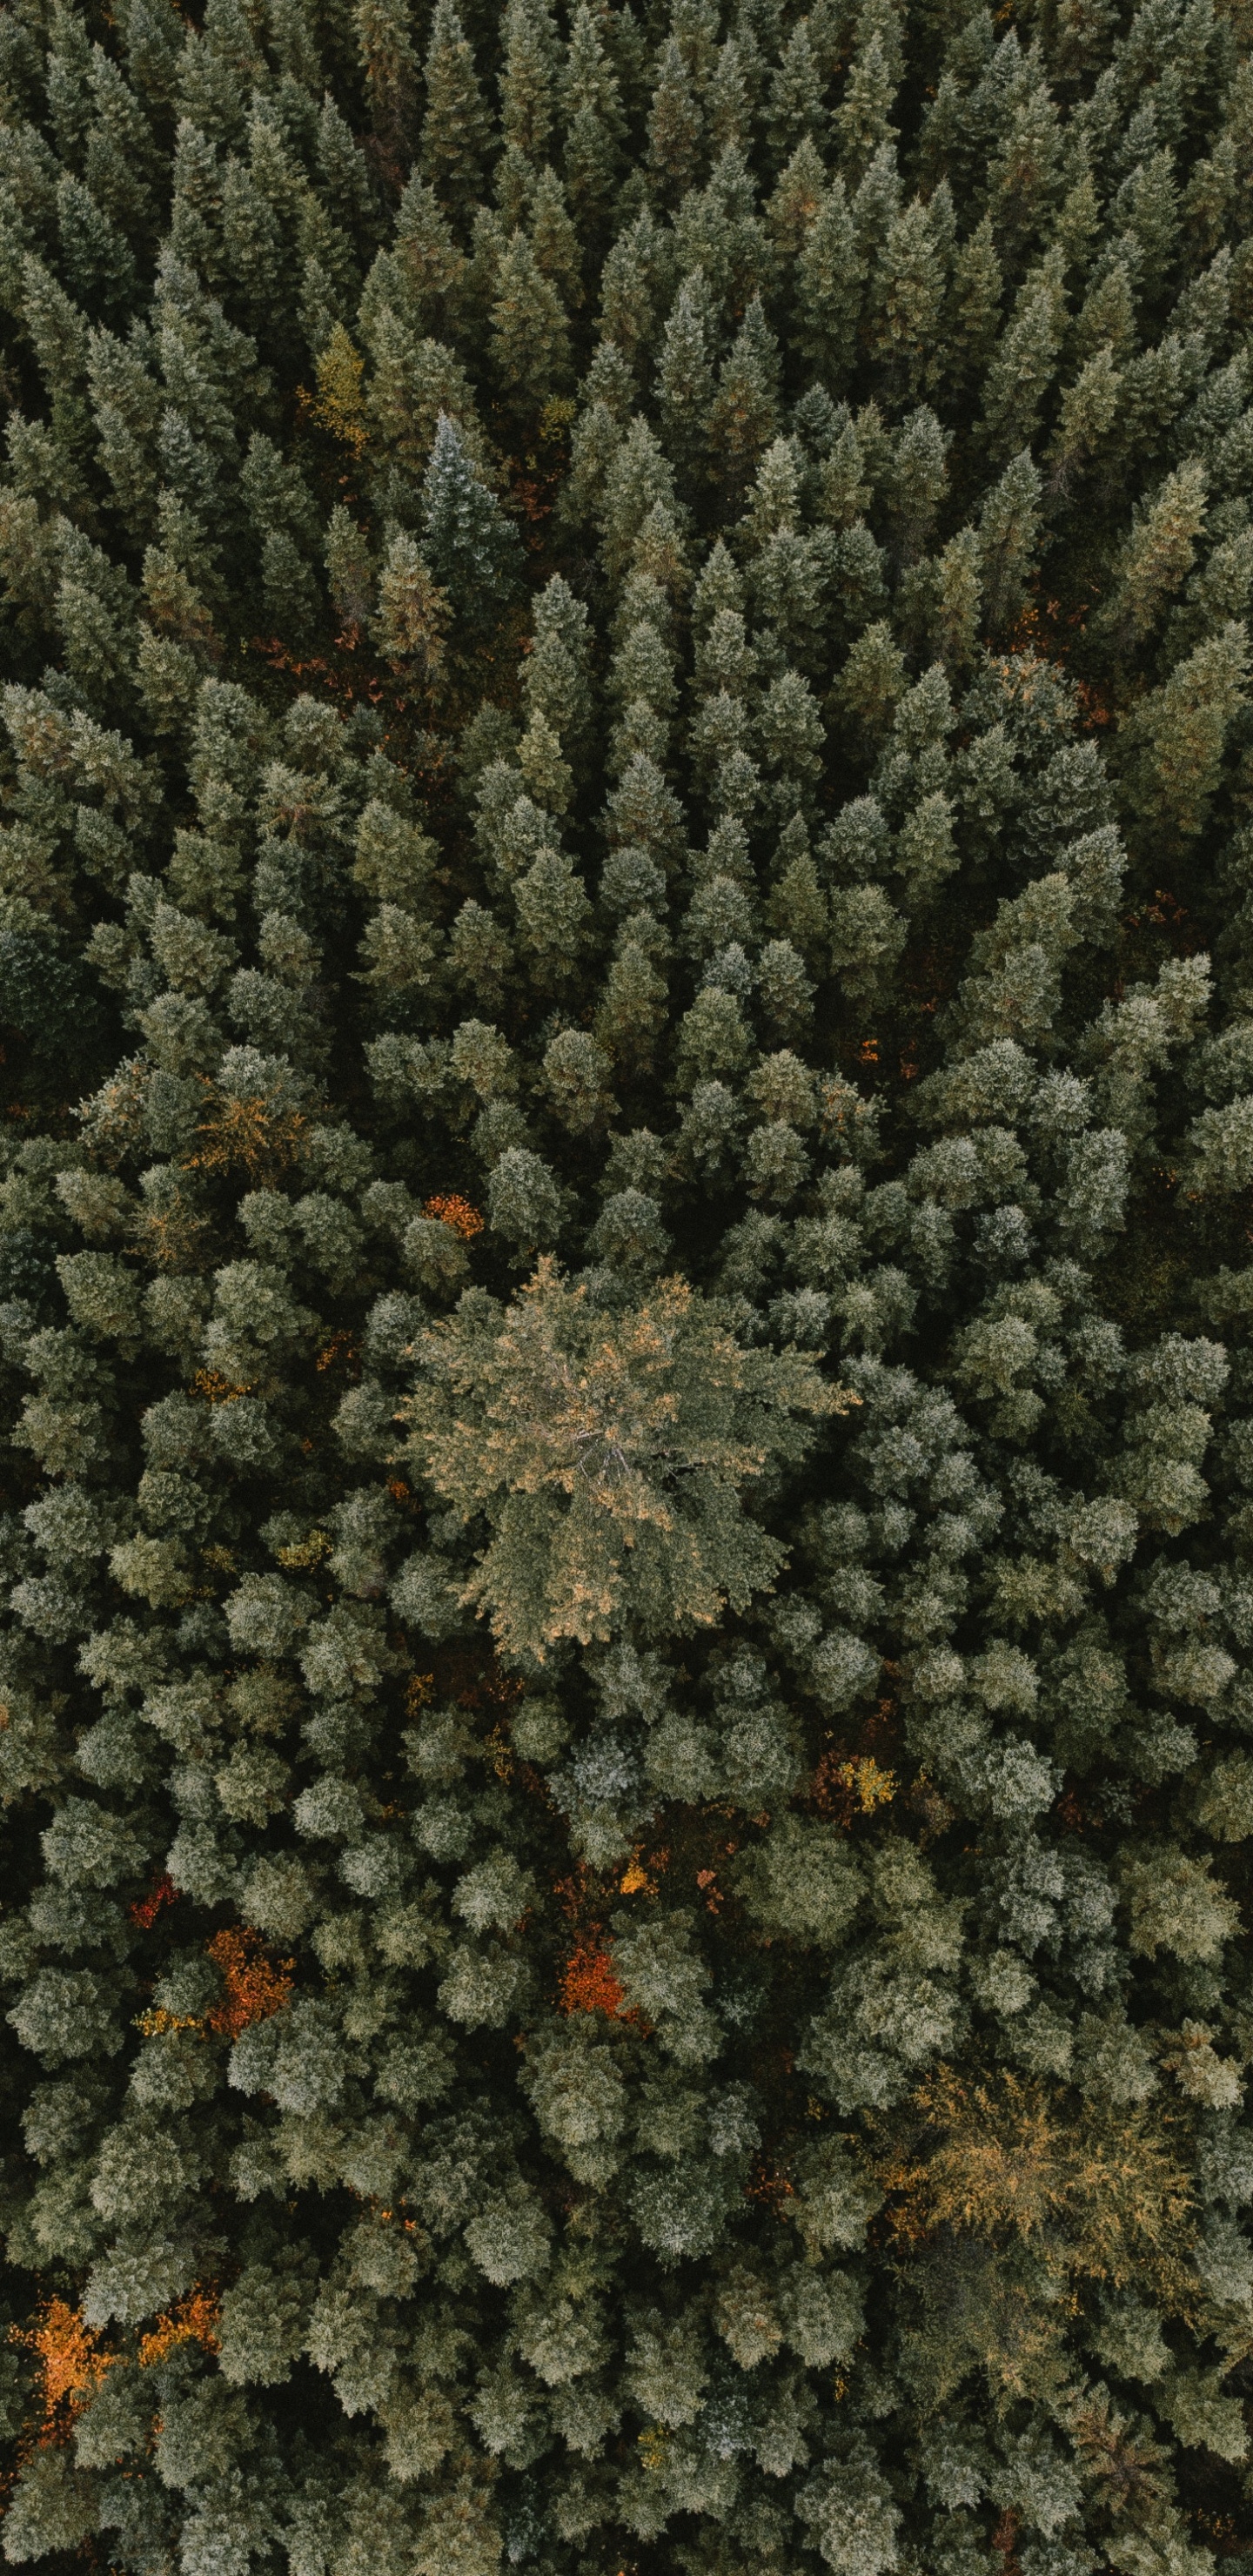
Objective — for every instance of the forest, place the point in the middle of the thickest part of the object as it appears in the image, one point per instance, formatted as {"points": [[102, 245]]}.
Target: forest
{"points": [[626, 1191]]}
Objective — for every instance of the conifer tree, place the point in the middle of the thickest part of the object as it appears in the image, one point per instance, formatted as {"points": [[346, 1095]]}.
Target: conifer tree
{"points": [[455, 123], [685, 383], [675, 126], [390, 65], [530, 340], [829, 290], [625, 962], [528, 79], [744, 411], [592, 109], [470, 546]]}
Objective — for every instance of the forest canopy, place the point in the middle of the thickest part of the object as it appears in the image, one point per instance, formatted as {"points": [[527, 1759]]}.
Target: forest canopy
{"points": [[626, 1187]]}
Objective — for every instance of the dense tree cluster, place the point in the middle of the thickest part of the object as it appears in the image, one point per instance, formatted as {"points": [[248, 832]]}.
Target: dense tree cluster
{"points": [[626, 965]]}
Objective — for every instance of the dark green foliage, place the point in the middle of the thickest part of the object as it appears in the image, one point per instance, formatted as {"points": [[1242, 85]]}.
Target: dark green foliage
{"points": [[626, 1175]]}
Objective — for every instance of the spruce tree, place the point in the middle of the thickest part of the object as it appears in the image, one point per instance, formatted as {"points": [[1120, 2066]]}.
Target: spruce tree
{"points": [[455, 122], [471, 548], [527, 81]]}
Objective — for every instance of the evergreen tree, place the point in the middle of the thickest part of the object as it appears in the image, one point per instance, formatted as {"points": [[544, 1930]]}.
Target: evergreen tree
{"points": [[906, 291], [685, 382], [427, 265], [1022, 368], [795, 106], [95, 262], [530, 336], [743, 415], [728, 106], [675, 126], [554, 240], [829, 286], [412, 611], [862, 119], [455, 123], [626, 939], [972, 306], [471, 548], [390, 66], [592, 109], [528, 79]]}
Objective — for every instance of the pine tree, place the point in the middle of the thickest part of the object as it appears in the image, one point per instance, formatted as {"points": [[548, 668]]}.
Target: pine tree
{"points": [[1158, 555], [343, 178], [95, 261], [685, 382], [862, 119], [1022, 179], [528, 79], [67, 77], [472, 550], [829, 287], [707, 1385], [554, 240], [427, 259], [390, 65], [1007, 530], [795, 107], [152, 40], [1023, 366], [557, 677], [1175, 738], [412, 612], [530, 334], [216, 72], [455, 124], [906, 292], [628, 283], [796, 200], [592, 109], [638, 476], [743, 415], [728, 107], [675, 126], [972, 306], [626, 897], [120, 165]]}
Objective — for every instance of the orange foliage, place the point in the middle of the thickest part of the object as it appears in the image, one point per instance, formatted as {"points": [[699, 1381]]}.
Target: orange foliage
{"points": [[588, 1983], [145, 1909], [456, 1212], [499, 1752], [341, 1346], [248, 1135], [1094, 712], [254, 1989], [158, 2021], [194, 2320], [769, 2184], [71, 2364], [843, 1790], [215, 1388]]}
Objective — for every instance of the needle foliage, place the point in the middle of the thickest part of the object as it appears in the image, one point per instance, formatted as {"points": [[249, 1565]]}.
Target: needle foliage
{"points": [[626, 1182]]}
